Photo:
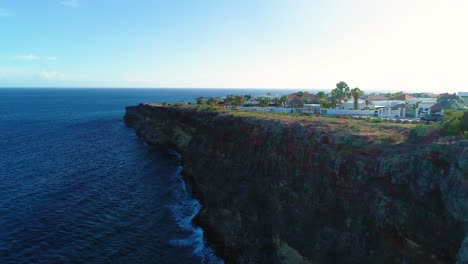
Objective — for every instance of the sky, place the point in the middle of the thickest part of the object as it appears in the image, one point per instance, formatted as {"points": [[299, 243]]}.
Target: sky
{"points": [[378, 45]]}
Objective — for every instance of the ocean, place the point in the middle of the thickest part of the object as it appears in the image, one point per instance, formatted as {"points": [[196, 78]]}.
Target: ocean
{"points": [[78, 186]]}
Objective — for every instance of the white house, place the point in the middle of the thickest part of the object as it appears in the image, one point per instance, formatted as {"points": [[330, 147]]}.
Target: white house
{"points": [[349, 105], [252, 101], [424, 108], [390, 112], [388, 103]]}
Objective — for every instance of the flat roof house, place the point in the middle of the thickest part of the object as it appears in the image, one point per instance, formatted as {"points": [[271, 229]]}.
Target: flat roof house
{"points": [[424, 108]]}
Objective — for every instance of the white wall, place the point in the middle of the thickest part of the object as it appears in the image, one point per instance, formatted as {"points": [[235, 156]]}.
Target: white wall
{"points": [[388, 103], [350, 105], [388, 112], [266, 109], [347, 112]]}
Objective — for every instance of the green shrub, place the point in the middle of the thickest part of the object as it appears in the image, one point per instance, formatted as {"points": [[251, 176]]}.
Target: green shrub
{"points": [[389, 138], [422, 130], [179, 104], [376, 120], [455, 122]]}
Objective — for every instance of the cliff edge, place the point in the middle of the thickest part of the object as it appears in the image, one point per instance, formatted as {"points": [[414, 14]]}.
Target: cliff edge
{"points": [[283, 189]]}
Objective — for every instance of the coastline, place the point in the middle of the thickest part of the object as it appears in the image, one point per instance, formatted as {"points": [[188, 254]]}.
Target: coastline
{"points": [[180, 127]]}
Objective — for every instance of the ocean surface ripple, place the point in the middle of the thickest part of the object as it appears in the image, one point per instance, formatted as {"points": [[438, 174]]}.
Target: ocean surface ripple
{"points": [[77, 185]]}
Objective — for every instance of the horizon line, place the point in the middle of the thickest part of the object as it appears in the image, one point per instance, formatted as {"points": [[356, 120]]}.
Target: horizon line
{"points": [[312, 90]]}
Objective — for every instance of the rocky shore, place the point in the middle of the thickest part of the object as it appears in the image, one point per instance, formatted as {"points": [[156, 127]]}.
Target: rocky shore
{"points": [[279, 189]]}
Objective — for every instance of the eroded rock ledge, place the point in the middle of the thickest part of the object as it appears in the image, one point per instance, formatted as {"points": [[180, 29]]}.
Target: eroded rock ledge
{"points": [[281, 189]]}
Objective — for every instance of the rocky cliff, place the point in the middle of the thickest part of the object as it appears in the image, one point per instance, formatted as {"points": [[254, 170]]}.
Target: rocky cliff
{"points": [[282, 189]]}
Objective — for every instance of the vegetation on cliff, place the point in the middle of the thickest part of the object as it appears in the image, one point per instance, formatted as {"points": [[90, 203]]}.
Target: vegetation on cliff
{"points": [[283, 188], [455, 126]]}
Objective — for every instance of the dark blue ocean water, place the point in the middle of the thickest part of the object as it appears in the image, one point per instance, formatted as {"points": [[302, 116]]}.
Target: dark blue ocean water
{"points": [[77, 185]]}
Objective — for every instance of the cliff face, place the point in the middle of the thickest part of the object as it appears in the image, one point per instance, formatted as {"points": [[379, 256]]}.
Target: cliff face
{"points": [[314, 191]]}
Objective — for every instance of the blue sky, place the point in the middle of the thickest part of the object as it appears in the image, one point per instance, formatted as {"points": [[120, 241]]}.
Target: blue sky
{"points": [[410, 45]]}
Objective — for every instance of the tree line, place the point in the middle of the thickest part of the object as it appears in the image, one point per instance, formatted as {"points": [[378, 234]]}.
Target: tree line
{"points": [[341, 93], [240, 100]]}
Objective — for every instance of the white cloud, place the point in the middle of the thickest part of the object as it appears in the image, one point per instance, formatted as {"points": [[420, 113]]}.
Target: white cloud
{"points": [[71, 3], [53, 75], [15, 73], [29, 56], [5, 13], [26, 74]]}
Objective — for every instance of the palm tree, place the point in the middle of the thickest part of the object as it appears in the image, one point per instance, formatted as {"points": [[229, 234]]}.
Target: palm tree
{"points": [[277, 101], [341, 92], [356, 93], [284, 100], [265, 101]]}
